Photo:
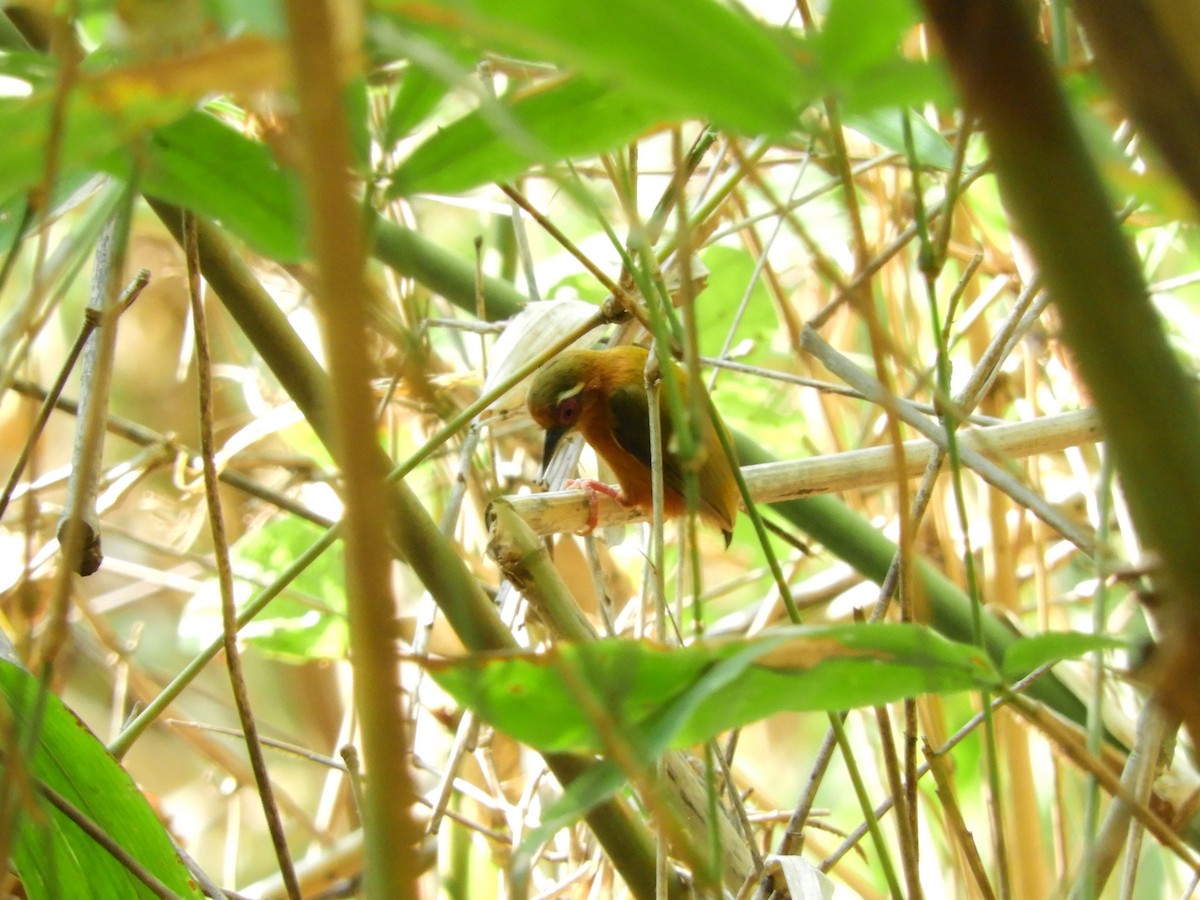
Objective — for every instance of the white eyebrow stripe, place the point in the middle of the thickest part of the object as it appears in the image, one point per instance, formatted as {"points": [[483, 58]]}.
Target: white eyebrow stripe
{"points": [[569, 393]]}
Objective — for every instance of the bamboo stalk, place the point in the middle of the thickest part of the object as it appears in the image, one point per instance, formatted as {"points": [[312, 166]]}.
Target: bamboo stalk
{"points": [[567, 511]]}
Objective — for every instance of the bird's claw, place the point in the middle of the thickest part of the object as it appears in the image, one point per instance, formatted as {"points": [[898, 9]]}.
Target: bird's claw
{"points": [[593, 489]]}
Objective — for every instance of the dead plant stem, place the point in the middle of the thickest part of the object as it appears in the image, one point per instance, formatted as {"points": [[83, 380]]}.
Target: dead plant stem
{"points": [[216, 520]]}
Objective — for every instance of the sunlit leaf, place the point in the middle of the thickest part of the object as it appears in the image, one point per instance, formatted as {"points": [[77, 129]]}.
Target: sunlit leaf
{"points": [[1026, 654], [92, 127], [202, 164], [858, 58], [416, 97], [697, 58], [434, 67], [242, 65], [497, 141], [307, 622], [549, 700], [55, 859], [107, 110], [886, 128], [859, 35]]}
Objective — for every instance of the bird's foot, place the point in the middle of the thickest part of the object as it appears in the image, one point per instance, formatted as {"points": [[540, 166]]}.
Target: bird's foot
{"points": [[593, 489]]}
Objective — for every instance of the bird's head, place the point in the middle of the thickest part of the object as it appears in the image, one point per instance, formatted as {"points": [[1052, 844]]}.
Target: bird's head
{"points": [[556, 400]]}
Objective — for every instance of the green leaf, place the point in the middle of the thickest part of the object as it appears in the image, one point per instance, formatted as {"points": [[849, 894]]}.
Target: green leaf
{"points": [[730, 271], [70, 192], [202, 164], [356, 108], [857, 55], [698, 58], [886, 128], [542, 699], [305, 623], [263, 17], [35, 69], [433, 68], [650, 742], [860, 35], [55, 859], [586, 792], [100, 117], [900, 82], [419, 93], [1026, 654], [563, 119]]}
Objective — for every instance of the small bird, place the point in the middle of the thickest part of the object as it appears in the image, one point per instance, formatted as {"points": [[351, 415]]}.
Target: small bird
{"points": [[602, 393]]}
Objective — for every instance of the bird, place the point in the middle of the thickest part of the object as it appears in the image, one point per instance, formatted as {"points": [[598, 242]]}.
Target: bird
{"points": [[602, 395]]}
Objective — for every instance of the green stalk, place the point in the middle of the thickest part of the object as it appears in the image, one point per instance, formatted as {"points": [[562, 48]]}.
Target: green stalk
{"points": [[1052, 187]]}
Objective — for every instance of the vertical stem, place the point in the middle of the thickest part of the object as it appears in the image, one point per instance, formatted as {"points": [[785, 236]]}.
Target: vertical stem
{"points": [[82, 552], [339, 247], [1057, 199], [216, 521], [860, 791], [79, 528]]}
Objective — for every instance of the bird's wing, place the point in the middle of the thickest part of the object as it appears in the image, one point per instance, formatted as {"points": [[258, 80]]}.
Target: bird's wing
{"points": [[630, 422]]}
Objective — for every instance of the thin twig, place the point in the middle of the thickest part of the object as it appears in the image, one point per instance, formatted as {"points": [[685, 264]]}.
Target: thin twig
{"points": [[233, 660], [79, 530], [958, 828], [91, 321], [146, 437], [567, 244], [953, 741], [984, 467]]}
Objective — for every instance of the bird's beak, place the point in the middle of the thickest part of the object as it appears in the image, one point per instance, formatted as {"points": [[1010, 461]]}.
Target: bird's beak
{"points": [[553, 437]]}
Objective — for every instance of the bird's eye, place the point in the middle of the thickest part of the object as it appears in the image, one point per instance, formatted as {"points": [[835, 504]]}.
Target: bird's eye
{"points": [[568, 411]]}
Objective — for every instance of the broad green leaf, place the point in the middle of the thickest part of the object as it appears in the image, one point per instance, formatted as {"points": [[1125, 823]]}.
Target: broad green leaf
{"points": [[55, 859], [697, 58], [95, 124], [886, 128], [900, 82], [647, 744], [305, 623], [108, 107], [858, 36], [1026, 654], [542, 699], [433, 68], [200, 163], [34, 69], [587, 791], [418, 94], [857, 56], [240, 65], [190, 158], [500, 140]]}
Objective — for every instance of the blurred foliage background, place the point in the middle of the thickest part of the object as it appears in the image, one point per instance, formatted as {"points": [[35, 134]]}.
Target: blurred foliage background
{"points": [[797, 200]]}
